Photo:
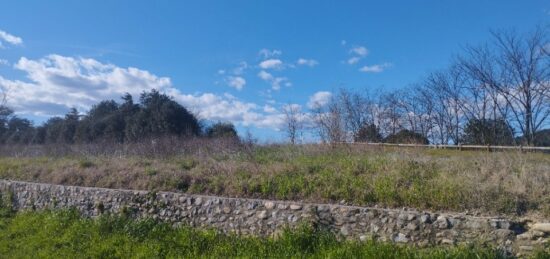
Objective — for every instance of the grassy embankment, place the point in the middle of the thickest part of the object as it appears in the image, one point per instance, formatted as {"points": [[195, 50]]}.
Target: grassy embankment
{"points": [[480, 182]]}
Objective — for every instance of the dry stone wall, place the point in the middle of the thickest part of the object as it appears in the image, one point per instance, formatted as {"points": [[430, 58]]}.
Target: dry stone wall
{"points": [[266, 217]]}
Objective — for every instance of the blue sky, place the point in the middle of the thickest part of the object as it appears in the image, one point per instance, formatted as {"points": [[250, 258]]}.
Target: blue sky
{"points": [[234, 60]]}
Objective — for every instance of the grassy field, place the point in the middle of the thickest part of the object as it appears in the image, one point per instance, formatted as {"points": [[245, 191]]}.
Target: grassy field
{"points": [[476, 181], [64, 234]]}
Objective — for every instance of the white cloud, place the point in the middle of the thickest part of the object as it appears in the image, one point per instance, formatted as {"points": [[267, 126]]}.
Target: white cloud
{"points": [[4, 62], [266, 53], [239, 70], [275, 82], [307, 62], [269, 109], [359, 51], [8, 38], [353, 60], [265, 75], [221, 72], [319, 99], [271, 64], [236, 82], [375, 68], [57, 83]]}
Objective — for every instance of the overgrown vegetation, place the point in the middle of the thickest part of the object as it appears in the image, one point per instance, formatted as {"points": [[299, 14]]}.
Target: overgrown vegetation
{"points": [[63, 234], [480, 182]]}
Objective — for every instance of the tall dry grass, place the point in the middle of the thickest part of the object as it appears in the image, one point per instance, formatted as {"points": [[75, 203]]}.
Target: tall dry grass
{"points": [[479, 182]]}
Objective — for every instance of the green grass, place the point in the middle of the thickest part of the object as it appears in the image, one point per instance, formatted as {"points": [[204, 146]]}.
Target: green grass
{"points": [[490, 183], [64, 234]]}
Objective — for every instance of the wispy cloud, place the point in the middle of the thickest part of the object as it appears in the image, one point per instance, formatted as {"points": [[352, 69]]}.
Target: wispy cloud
{"points": [[357, 52], [4, 62], [271, 64], [319, 99], [9, 38], [267, 53], [307, 62], [375, 68], [236, 82], [276, 82]]}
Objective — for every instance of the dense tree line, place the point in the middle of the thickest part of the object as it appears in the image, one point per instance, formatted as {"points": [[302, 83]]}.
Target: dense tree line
{"points": [[493, 94], [155, 115]]}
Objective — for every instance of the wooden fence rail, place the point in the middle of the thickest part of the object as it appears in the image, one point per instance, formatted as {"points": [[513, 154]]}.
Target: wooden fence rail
{"points": [[458, 147]]}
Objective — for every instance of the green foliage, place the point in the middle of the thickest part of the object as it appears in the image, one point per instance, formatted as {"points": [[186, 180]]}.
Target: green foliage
{"points": [[64, 234], [85, 163], [488, 132], [369, 133], [156, 115], [221, 130]]}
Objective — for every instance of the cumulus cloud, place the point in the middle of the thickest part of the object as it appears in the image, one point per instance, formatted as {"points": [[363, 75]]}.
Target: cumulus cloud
{"points": [[275, 82], [265, 75], [375, 68], [56, 83], [236, 82], [357, 52], [10, 39], [353, 60], [318, 99], [307, 62], [271, 64], [267, 53], [269, 109]]}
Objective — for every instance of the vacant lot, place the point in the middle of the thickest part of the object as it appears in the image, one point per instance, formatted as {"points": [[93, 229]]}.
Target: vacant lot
{"points": [[476, 181]]}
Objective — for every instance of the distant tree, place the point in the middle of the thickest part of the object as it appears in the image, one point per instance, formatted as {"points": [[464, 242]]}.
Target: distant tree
{"points": [[517, 69], [488, 132], [407, 137], [19, 131], [159, 115], [368, 133], [104, 122], [52, 130], [69, 126], [5, 115], [293, 122], [542, 138], [221, 130]]}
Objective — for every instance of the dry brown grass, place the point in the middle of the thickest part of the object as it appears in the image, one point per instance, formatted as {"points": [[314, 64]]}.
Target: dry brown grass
{"points": [[479, 182]]}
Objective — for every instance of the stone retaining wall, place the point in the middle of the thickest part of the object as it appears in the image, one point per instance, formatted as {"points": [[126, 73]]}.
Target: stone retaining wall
{"points": [[266, 217]]}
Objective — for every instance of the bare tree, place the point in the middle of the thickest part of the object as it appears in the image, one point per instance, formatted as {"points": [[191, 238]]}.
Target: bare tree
{"points": [[356, 109], [329, 121], [517, 71], [293, 121]]}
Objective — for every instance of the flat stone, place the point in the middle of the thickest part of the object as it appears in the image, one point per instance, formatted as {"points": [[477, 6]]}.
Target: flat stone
{"points": [[447, 241], [401, 238], [269, 205], [543, 227], [262, 214], [226, 210], [412, 226], [295, 207]]}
